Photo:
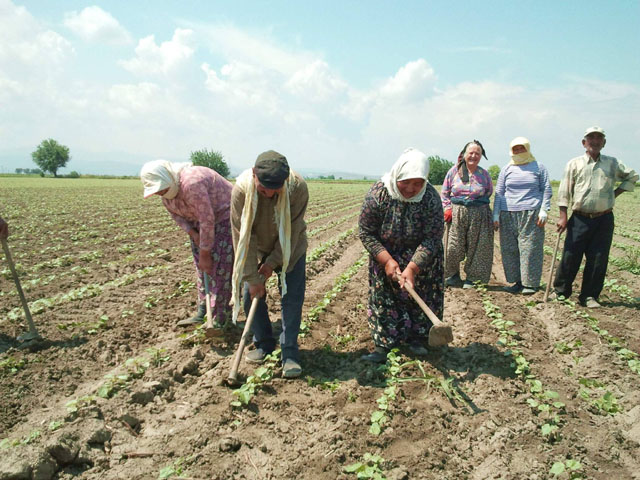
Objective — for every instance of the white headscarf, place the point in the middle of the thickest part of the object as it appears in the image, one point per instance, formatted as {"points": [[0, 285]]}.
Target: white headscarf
{"points": [[245, 182], [521, 158], [411, 164], [160, 174]]}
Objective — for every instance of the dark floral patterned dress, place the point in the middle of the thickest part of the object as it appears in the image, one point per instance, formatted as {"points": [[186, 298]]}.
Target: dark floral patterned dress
{"points": [[408, 231]]}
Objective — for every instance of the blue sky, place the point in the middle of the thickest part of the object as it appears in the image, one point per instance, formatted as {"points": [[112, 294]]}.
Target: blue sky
{"points": [[335, 86]]}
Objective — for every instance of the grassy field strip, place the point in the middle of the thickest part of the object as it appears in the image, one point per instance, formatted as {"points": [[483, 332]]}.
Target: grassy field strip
{"points": [[86, 291], [333, 212], [320, 205], [29, 284], [332, 224], [319, 251]]}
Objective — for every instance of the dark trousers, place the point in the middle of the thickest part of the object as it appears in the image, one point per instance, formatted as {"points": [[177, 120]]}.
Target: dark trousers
{"points": [[592, 238], [291, 314]]}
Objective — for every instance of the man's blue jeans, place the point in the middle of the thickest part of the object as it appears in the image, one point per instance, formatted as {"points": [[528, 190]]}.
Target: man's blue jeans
{"points": [[291, 314]]}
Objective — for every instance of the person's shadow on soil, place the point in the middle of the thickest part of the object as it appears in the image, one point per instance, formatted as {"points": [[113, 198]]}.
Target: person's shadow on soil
{"points": [[633, 304], [323, 366], [7, 342]]}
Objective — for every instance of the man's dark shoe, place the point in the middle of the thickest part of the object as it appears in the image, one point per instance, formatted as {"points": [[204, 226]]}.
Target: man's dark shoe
{"points": [[528, 290], [379, 355], [591, 302], [256, 356], [197, 319], [291, 368]]}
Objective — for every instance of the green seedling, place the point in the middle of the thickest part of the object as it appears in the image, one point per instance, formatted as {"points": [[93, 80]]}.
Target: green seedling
{"points": [[370, 467], [570, 466], [79, 403], [245, 393], [564, 348], [11, 366]]}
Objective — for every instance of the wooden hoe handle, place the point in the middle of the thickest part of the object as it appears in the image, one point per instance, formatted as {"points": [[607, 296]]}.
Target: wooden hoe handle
{"points": [[432, 316], [16, 280]]}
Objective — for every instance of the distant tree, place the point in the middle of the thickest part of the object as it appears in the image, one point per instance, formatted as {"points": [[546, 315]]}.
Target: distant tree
{"points": [[50, 156], [73, 174], [19, 171], [438, 168], [212, 159], [494, 171]]}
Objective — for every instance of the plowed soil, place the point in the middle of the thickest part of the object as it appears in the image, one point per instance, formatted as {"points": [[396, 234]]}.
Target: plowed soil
{"points": [[108, 275]]}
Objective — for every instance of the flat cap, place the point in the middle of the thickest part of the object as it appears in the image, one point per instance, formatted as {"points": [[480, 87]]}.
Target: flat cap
{"points": [[272, 169]]}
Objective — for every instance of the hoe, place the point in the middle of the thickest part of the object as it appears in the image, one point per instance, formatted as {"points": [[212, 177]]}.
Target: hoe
{"points": [[440, 333], [32, 334]]}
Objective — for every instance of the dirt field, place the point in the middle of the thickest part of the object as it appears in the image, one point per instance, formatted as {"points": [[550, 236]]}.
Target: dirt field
{"points": [[526, 390]]}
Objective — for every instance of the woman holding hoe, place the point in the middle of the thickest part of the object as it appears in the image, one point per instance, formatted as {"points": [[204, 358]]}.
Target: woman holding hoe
{"points": [[198, 199], [401, 227]]}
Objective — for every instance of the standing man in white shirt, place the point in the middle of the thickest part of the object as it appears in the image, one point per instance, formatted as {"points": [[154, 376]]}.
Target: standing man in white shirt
{"points": [[589, 188]]}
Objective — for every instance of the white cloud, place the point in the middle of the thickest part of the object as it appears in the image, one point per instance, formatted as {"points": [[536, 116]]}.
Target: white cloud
{"points": [[26, 43], [316, 82], [127, 101], [412, 83], [249, 94], [257, 49], [166, 58], [94, 24]]}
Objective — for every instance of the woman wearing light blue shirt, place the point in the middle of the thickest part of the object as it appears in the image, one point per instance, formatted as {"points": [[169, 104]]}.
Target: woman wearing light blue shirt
{"points": [[523, 198]]}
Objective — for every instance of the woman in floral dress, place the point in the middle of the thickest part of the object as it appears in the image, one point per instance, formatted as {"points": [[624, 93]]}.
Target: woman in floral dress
{"points": [[198, 199], [401, 226]]}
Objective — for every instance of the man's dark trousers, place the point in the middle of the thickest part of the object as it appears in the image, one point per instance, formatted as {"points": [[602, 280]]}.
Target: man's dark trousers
{"points": [[592, 238]]}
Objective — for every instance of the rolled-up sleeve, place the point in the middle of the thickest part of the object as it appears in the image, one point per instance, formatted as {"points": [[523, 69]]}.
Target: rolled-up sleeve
{"points": [[627, 176]]}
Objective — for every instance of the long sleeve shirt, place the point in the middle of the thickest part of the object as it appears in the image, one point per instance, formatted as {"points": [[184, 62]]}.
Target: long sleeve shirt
{"points": [[264, 244], [522, 187], [477, 191], [588, 185], [203, 200]]}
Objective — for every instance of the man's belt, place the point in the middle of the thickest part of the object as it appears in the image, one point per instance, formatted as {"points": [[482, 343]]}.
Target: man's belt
{"points": [[592, 215]]}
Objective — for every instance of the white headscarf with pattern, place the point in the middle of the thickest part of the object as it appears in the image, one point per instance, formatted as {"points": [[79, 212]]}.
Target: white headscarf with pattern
{"points": [[411, 164], [160, 174]]}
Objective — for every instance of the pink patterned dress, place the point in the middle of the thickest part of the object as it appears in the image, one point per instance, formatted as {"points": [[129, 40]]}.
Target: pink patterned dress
{"points": [[203, 204]]}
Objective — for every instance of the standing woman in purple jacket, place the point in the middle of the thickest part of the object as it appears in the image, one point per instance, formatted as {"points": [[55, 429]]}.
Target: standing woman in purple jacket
{"points": [[523, 198]]}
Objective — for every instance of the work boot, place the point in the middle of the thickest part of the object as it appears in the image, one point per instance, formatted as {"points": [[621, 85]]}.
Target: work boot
{"points": [[291, 368], [197, 319], [379, 355], [467, 284], [528, 290]]}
